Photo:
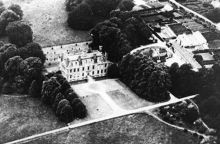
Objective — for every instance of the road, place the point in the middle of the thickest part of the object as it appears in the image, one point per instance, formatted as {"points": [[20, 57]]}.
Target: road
{"points": [[193, 12], [115, 115]]}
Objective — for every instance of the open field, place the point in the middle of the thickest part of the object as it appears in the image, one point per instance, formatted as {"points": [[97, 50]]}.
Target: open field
{"points": [[48, 21], [133, 129], [24, 116]]}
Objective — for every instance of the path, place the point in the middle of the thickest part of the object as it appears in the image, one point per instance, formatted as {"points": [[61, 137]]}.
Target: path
{"points": [[116, 115]]}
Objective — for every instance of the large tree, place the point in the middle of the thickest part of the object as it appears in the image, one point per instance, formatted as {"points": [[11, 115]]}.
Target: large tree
{"points": [[6, 17], [120, 34], [17, 9], [81, 17], [32, 50], [84, 14], [12, 66], [19, 33], [148, 79]]}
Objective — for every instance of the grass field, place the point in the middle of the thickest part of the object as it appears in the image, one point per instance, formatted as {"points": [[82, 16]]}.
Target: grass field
{"points": [[48, 21], [24, 116], [133, 129]]}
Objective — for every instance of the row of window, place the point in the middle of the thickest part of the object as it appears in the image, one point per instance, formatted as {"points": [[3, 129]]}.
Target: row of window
{"points": [[86, 68], [101, 72]]}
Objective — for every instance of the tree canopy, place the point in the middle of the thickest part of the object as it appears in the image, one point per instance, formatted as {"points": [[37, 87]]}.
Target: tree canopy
{"points": [[120, 34], [85, 14], [19, 33], [7, 15], [146, 78]]}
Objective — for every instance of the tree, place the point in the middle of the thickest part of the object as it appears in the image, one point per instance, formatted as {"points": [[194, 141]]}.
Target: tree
{"points": [[12, 66], [19, 33], [61, 105], [81, 17], [6, 17], [186, 81], [79, 109], [120, 34], [66, 114], [126, 5], [47, 90], [8, 88], [20, 84], [102, 8], [1, 84], [32, 50], [7, 51], [31, 68], [113, 71], [146, 78], [158, 85], [58, 98], [9, 16], [17, 9], [2, 8], [71, 96], [35, 89]]}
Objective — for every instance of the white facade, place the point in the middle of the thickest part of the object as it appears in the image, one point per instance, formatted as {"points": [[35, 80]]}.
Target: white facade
{"points": [[53, 53], [79, 66]]}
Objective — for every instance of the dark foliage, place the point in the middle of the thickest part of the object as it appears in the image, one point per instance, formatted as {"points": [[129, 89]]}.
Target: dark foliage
{"points": [[146, 78], [113, 71], [206, 83], [120, 34], [47, 90], [57, 92], [79, 108], [19, 33], [66, 114], [17, 9], [12, 67], [58, 98], [85, 14], [8, 88], [35, 88], [81, 17], [126, 5], [9, 15], [61, 105], [184, 80], [32, 50]]}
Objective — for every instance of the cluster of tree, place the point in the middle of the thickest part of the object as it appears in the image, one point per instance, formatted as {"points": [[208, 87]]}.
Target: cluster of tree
{"points": [[57, 92], [180, 113], [11, 24], [146, 78], [206, 83], [20, 66], [214, 15], [85, 14], [120, 34]]}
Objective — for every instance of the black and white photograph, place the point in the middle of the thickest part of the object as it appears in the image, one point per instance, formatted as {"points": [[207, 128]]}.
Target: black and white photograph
{"points": [[109, 71]]}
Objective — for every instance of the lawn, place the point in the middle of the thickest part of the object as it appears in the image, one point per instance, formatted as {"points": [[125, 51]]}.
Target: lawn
{"points": [[48, 21], [24, 116], [133, 129], [128, 100]]}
